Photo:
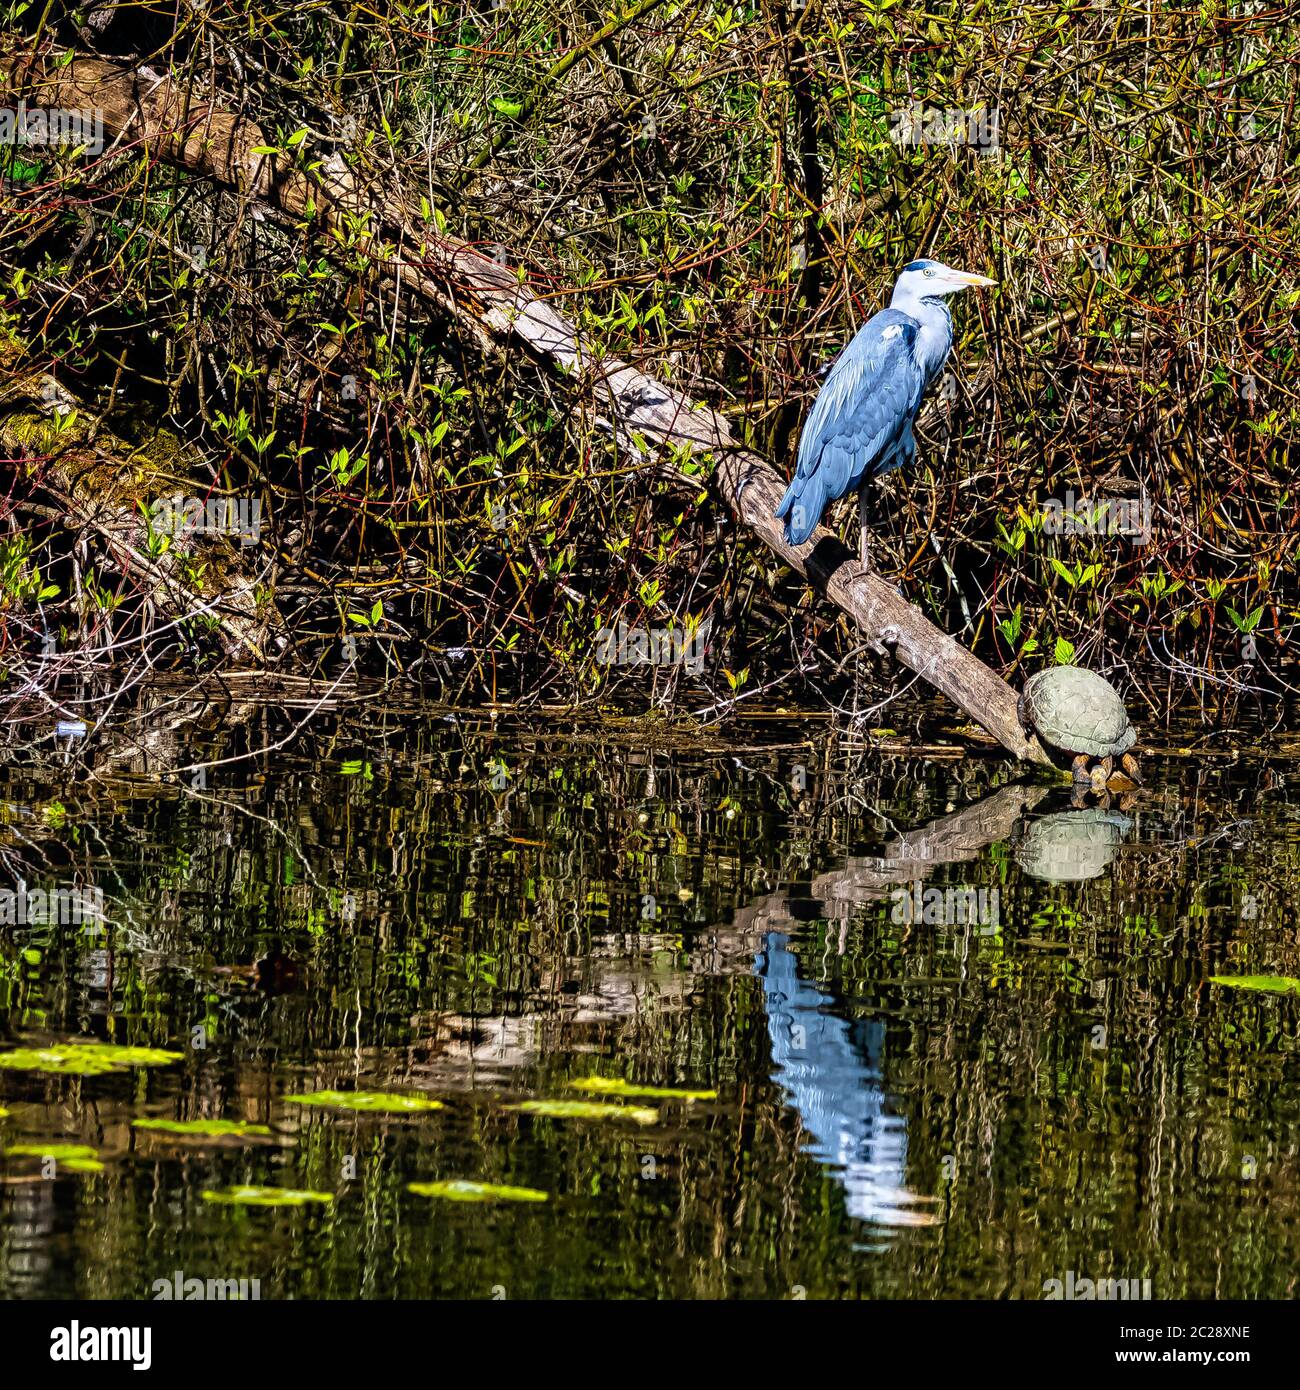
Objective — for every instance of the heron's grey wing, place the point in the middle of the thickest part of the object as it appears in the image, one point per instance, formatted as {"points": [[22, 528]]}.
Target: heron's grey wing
{"points": [[868, 402], [857, 422]]}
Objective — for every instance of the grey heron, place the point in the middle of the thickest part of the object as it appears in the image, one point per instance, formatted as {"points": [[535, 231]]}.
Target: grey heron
{"points": [[861, 422]]}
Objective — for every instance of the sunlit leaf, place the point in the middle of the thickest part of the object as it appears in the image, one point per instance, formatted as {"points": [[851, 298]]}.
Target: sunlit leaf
{"points": [[74, 1158], [587, 1110], [203, 1128], [1271, 984], [265, 1196], [460, 1190], [85, 1059], [379, 1102], [615, 1086]]}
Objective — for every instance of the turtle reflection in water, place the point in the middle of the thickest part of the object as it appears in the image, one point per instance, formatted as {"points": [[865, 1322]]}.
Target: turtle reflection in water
{"points": [[1078, 712], [1072, 845]]}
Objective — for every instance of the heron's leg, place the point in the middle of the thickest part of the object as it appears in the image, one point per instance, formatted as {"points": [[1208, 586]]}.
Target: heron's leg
{"points": [[864, 520]]}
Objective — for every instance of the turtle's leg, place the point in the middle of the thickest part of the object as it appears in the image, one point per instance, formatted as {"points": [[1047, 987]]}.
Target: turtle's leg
{"points": [[1107, 767], [1080, 768], [1130, 765]]}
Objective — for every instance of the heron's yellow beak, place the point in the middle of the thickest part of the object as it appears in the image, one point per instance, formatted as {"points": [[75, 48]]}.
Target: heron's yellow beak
{"points": [[973, 281]]}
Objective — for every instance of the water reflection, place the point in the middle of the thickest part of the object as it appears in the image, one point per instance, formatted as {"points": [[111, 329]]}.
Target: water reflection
{"points": [[1072, 846], [1069, 1073], [831, 1072]]}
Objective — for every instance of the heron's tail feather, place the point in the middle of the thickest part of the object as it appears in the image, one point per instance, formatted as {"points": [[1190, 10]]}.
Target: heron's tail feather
{"points": [[801, 507]]}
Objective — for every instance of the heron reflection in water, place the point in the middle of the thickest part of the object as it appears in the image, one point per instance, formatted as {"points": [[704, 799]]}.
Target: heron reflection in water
{"points": [[831, 1073]]}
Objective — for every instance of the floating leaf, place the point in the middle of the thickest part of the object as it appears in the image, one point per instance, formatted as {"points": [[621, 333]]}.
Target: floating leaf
{"points": [[615, 1086], [587, 1110], [265, 1196], [378, 1102], [1272, 984], [85, 1059], [203, 1128], [75, 1158], [459, 1190]]}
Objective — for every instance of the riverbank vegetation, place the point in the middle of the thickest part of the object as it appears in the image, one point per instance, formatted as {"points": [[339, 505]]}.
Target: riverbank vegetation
{"points": [[717, 194]]}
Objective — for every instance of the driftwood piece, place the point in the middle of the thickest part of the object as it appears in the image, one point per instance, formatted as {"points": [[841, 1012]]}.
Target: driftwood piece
{"points": [[487, 299], [80, 469]]}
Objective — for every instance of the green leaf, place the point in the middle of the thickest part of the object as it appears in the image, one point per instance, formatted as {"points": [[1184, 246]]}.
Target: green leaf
{"points": [[587, 1110], [1065, 574], [376, 1102], [1270, 984], [507, 108], [265, 1196], [76, 1158], [214, 1129], [85, 1059], [459, 1190], [615, 1086]]}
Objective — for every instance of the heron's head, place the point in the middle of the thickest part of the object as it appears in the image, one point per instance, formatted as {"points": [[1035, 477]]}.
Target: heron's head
{"points": [[927, 279]]}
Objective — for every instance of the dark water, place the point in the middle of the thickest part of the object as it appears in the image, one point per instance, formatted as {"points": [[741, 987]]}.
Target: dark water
{"points": [[908, 1104]]}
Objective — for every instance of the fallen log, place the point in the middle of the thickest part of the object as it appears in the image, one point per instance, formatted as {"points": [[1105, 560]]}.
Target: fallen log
{"points": [[89, 476], [145, 106]]}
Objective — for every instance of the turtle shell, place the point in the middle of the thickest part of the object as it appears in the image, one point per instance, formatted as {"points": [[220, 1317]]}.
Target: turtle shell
{"points": [[1073, 845], [1076, 711]]}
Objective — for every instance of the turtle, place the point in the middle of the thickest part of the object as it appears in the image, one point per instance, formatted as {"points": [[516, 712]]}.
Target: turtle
{"points": [[1080, 713], [1072, 846]]}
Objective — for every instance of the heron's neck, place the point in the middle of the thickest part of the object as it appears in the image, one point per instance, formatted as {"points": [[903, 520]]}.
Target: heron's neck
{"points": [[934, 341]]}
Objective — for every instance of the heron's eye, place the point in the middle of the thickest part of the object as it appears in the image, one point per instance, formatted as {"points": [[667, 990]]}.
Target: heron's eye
{"points": [[928, 271]]}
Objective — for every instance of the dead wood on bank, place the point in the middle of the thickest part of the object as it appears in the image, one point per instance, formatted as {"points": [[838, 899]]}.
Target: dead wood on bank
{"points": [[487, 300]]}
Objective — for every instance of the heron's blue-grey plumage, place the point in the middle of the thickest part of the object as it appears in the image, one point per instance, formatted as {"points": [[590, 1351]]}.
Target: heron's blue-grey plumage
{"points": [[861, 422]]}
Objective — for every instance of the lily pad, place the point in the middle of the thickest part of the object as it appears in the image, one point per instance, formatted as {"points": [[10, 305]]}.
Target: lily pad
{"points": [[207, 1129], [1271, 984], [85, 1058], [265, 1196], [74, 1158], [587, 1110], [460, 1190], [375, 1102], [615, 1086]]}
